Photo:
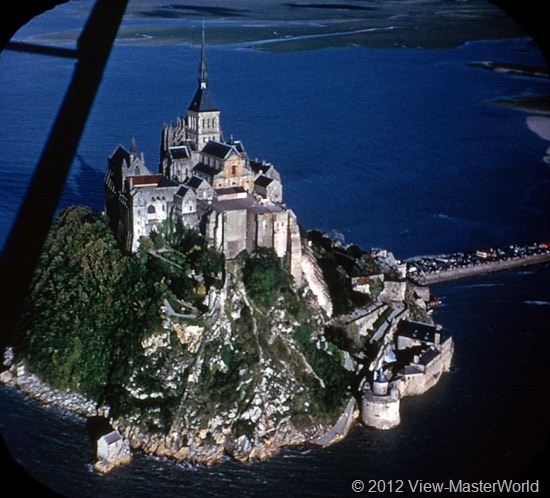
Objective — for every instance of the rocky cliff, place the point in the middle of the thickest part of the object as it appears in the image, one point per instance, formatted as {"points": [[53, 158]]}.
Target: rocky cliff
{"points": [[193, 357], [248, 380]]}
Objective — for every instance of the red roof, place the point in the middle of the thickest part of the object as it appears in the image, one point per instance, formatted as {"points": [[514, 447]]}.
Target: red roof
{"points": [[143, 180]]}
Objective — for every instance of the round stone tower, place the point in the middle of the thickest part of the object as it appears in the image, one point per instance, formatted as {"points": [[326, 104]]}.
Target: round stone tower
{"points": [[379, 404]]}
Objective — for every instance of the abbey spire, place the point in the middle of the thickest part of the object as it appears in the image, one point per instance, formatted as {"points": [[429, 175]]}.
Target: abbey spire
{"points": [[203, 119], [203, 73]]}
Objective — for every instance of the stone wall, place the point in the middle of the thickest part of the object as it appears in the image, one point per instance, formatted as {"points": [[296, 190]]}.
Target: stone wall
{"points": [[418, 378], [382, 411], [214, 230], [281, 232], [393, 292], [234, 232], [489, 267], [294, 251]]}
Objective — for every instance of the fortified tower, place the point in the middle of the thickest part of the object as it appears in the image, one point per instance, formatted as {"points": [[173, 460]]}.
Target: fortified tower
{"points": [[379, 403]]}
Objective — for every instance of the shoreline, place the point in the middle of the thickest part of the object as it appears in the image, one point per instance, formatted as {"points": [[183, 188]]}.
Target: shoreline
{"points": [[35, 389], [539, 105], [278, 26], [480, 269], [366, 36]]}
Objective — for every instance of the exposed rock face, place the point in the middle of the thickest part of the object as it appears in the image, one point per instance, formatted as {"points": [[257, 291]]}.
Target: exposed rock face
{"points": [[189, 335], [238, 383], [314, 278]]}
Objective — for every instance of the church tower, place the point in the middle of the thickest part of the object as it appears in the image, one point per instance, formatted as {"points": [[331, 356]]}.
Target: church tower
{"points": [[203, 118]]}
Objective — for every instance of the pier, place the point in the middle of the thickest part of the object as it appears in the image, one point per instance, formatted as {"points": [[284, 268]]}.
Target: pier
{"points": [[426, 270]]}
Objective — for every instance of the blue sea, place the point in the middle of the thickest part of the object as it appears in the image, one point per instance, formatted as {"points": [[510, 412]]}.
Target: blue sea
{"points": [[398, 148]]}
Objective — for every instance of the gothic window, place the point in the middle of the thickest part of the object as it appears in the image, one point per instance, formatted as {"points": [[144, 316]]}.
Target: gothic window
{"points": [[151, 209], [233, 170]]}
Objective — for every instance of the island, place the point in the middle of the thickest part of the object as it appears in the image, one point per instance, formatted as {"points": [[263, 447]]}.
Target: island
{"points": [[199, 319]]}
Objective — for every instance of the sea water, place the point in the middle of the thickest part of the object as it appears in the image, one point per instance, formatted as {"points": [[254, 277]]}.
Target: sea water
{"points": [[400, 148]]}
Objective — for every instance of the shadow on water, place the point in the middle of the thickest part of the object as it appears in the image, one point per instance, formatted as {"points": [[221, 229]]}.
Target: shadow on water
{"points": [[84, 183], [89, 182]]}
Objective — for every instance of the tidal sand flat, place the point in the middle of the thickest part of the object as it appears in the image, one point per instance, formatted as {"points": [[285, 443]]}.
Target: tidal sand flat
{"points": [[302, 25]]}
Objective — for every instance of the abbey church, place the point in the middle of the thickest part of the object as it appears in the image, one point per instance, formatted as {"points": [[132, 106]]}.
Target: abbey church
{"points": [[210, 184]]}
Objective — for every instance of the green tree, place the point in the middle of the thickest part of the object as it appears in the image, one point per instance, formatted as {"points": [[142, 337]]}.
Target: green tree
{"points": [[265, 276], [88, 309]]}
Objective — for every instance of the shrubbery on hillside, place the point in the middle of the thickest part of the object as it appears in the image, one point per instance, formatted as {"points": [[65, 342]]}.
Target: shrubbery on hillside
{"points": [[88, 308], [91, 305], [264, 276]]}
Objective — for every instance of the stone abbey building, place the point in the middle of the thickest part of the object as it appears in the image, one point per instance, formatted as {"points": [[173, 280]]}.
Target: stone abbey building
{"points": [[211, 184]]}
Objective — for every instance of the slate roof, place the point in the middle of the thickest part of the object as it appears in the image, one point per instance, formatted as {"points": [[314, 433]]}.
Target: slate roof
{"points": [[218, 149], [111, 437], [119, 156], [180, 152], [195, 182], [263, 181], [259, 167], [165, 182], [266, 169], [202, 101], [183, 191], [230, 190], [239, 146], [417, 330]]}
